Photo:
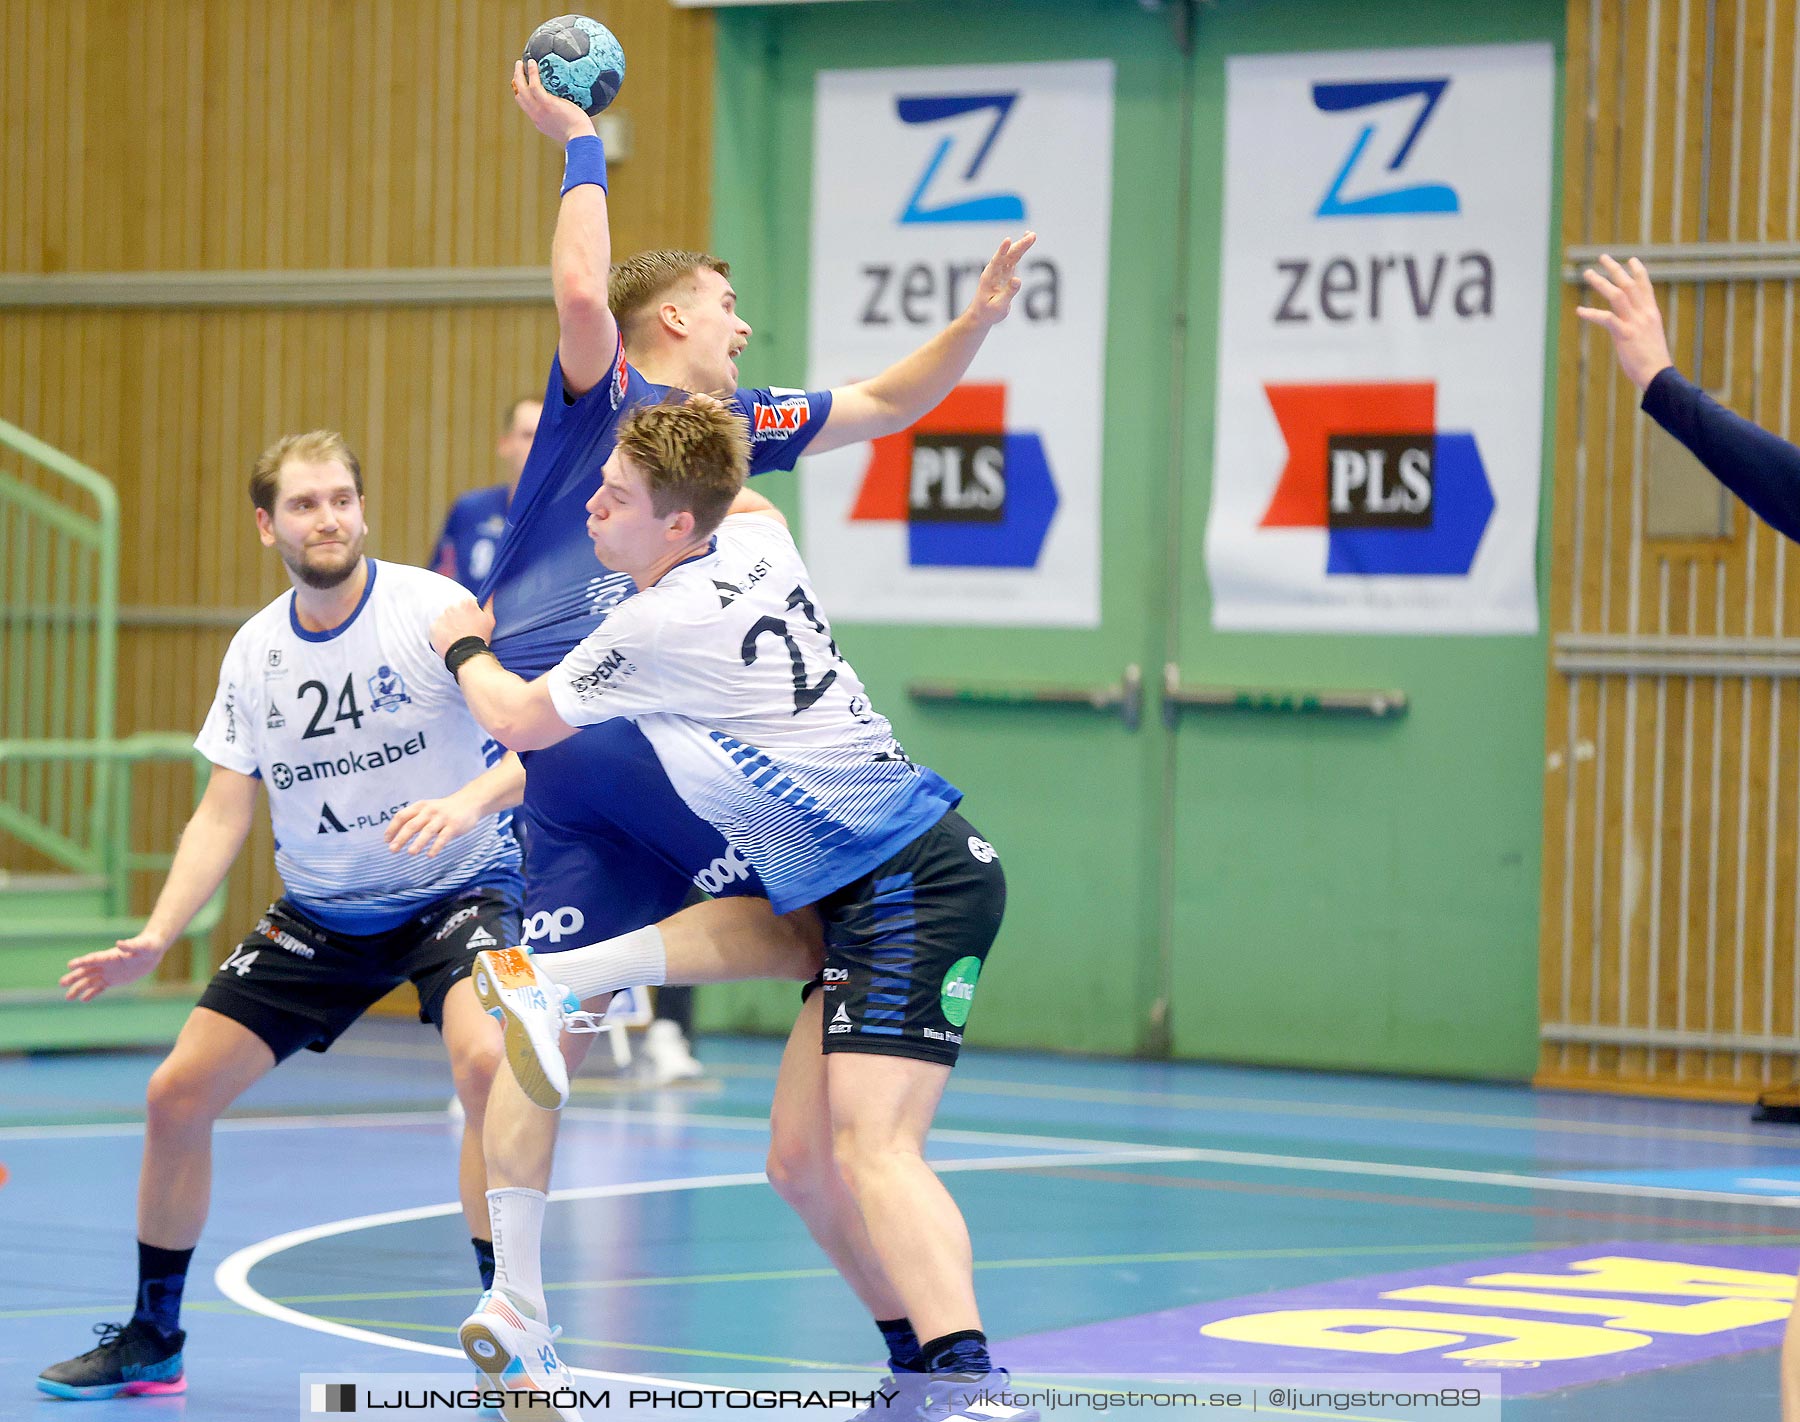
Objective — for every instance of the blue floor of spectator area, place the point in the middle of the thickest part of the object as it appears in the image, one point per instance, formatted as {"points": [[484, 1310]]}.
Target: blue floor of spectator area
{"points": [[1136, 1219]]}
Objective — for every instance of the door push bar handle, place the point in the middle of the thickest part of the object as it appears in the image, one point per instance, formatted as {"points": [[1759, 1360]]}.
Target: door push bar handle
{"points": [[1126, 696], [1287, 701]]}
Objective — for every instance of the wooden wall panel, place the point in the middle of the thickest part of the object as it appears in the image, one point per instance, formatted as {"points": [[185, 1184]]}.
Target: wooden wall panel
{"points": [[309, 135], [301, 134], [1673, 799]]}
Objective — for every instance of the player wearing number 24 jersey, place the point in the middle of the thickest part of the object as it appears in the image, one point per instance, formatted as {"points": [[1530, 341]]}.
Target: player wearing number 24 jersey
{"points": [[331, 701]]}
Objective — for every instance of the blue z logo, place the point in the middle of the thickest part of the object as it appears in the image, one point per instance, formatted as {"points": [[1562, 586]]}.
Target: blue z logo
{"points": [[1419, 198], [992, 207]]}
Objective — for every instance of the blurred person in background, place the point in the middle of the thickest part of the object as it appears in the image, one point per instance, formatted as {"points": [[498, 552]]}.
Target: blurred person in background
{"points": [[465, 549]]}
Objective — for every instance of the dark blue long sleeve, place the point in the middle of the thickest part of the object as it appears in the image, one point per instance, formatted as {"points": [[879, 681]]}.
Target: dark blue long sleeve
{"points": [[1761, 468]]}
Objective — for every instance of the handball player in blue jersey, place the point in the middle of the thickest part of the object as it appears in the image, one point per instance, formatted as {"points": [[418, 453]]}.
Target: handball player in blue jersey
{"points": [[472, 528], [611, 849]]}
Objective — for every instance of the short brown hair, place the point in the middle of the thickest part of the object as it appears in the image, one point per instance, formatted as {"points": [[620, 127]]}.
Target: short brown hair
{"points": [[637, 283], [694, 451], [314, 447], [512, 410]]}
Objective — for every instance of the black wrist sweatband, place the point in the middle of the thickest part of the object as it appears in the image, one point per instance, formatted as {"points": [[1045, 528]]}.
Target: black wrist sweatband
{"points": [[462, 650]]}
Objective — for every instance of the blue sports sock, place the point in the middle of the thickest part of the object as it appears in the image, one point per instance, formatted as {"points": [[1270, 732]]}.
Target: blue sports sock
{"points": [[961, 1352], [162, 1274], [484, 1260], [904, 1355]]}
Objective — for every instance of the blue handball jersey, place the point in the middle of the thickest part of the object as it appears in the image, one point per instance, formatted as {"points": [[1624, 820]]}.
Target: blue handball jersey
{"points": [[548, 590], [471, 536]]}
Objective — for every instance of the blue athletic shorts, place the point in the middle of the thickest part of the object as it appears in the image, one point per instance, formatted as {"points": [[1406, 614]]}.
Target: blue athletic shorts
{"points": [[609, 845]]}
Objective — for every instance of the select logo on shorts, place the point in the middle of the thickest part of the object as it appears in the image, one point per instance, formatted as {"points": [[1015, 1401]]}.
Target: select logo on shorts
{"points": [[555, 924], [1367, 463], [282, 775], [334, 1397], [957, 995], [972, 492], [840, 1021]]}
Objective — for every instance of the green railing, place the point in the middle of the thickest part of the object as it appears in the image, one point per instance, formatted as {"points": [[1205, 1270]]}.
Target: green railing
{"points": [[71, 791], [105, 880], [59, 619]]}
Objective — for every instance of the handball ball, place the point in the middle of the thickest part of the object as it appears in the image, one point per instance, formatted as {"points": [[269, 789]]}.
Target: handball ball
{"points": [[579, 60]]}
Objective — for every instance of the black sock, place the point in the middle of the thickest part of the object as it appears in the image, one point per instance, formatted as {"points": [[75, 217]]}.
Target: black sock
{"points": [[162, 1274], [484, 1260], [902, 1345], [961, 1352]]}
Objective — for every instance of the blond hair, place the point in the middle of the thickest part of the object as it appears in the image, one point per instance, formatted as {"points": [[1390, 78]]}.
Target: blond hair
{"points": [[635, 285], [313, 447], [694, 451]]}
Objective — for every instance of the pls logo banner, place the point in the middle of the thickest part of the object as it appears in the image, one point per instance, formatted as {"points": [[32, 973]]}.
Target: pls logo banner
{"points": [[1394, 494], [971, 493], [1384, 297], [986, 511]]}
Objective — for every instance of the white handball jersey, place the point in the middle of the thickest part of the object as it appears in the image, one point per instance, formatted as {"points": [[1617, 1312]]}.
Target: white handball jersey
{"points": [[346, 728], [730, 670]]}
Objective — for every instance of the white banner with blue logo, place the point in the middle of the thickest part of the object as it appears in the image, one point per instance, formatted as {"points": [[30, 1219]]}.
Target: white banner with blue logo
{"points": [[987, 511], [1383, 294]]}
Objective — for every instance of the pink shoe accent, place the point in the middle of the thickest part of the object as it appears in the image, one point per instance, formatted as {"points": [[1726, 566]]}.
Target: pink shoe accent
{"points": [[499, 1307], [154, 1389]]}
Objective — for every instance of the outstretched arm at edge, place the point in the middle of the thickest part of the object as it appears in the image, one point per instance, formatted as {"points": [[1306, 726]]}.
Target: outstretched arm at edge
{"points": [[1761, 468], [916, 384]]}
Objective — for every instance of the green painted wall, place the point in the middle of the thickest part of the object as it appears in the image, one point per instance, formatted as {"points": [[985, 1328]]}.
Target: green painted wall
{"points": [[1359, 896]]}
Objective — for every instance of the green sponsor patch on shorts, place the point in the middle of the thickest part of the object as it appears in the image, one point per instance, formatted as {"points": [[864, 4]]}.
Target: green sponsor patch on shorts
{"points": [[958, 992]]}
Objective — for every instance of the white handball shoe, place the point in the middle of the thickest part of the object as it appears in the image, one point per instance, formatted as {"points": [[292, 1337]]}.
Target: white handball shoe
{"points": [[534, 1011], [517, 1354], [667, 1056]]}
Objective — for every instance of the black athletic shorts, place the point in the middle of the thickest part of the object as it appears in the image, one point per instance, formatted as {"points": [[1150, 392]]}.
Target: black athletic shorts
{"points": [[904, 946], [298, 984]]}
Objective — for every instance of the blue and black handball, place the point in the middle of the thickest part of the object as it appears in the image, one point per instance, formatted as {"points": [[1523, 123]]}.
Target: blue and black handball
{"points": [[578, 59]]}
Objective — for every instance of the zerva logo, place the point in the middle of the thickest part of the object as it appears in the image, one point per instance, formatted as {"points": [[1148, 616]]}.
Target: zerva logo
{"points": [[952, 195], [1369, 182]]}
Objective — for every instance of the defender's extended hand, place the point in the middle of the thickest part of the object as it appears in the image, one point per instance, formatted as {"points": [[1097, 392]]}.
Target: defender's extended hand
{"points": [[1000, 281], [1633, 321]]}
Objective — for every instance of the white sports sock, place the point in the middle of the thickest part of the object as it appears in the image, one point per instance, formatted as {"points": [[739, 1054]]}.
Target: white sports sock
{"points": [[517, 1217], [635, 959]]}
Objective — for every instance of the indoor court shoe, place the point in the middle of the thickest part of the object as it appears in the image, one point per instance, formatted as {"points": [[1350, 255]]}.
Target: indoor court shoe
{"points": [[530, 1007], [132, 1360], [517, 1354], [667, 1056], [972, 1397]]}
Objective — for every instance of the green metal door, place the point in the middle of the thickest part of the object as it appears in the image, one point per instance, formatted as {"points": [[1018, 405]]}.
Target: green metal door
{"points": [[1039, 727], [1352, 874]]}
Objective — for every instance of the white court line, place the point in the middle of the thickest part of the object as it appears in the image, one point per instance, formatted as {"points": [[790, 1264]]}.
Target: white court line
{"points": [[1140, 1153], [233, 1275], [231, 1123]]}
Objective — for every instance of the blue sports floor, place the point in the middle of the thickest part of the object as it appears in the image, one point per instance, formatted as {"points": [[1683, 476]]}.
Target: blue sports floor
{"points": [[1130, 1219]]}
